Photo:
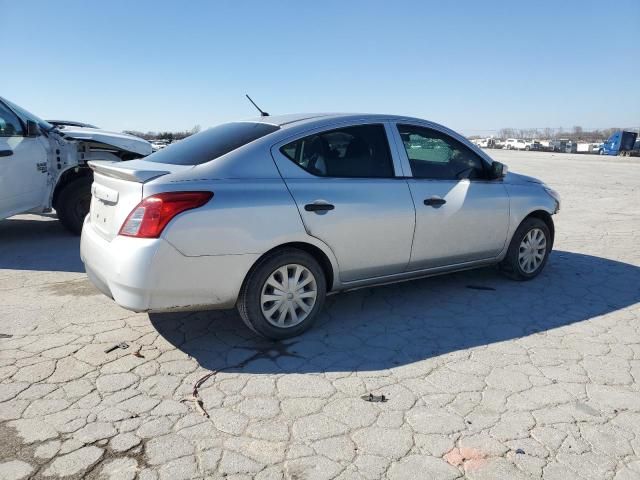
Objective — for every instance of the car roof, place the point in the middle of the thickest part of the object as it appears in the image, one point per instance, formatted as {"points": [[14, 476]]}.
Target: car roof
{"points": [[311, 119]]}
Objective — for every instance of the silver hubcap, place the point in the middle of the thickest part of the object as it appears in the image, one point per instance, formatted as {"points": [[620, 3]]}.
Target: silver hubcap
{"points": [[288, 295], [533, 248]]}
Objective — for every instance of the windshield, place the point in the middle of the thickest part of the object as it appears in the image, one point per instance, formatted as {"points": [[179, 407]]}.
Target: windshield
{"points": [[211, 143], [25, 115]]}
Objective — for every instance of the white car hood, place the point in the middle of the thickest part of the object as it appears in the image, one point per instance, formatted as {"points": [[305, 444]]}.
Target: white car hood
{"points": [[122, 141]]}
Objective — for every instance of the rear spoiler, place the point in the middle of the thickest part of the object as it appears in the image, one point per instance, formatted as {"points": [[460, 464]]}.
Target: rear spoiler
{"points": [[120, 171]]}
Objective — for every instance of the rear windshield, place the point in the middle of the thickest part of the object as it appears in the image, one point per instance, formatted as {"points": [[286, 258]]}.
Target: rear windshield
{"points": [[211, 143]]}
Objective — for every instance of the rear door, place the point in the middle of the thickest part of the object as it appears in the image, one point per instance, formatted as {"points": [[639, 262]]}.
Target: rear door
{"points": [[461, 216], [23, 166], [344, 183]]}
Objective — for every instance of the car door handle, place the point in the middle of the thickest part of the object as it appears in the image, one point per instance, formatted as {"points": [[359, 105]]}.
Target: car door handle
{"points": [[434, 201], [6, 153], [318, 207]]}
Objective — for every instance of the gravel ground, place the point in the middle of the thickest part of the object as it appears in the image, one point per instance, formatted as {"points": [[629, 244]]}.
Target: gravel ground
{"points": [[484, 378]]}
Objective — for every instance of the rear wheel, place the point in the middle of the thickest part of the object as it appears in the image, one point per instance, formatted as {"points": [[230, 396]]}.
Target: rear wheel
{"points": [[528, 251], [73, 204], [283, 294]]}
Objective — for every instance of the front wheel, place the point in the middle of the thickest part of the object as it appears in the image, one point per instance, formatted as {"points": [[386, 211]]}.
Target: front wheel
{"points": [[528, 251], [283, 294], [74, 203]]}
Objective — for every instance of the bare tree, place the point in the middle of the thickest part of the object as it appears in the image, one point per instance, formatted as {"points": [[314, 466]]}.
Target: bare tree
{"points": [[167, 135], [577, 132]]}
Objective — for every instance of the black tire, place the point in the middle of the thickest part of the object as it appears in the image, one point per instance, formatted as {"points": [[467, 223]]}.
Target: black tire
{"points": [[527, 148], [73, 204], [510, 266], [248, 304]]}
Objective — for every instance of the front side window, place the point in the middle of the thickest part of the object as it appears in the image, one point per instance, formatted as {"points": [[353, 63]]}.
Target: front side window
{"points": [[360, 151], [26, 115], [435, 155], [10, 126]]}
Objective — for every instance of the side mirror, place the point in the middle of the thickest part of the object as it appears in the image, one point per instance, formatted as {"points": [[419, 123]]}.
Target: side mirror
{"points": [[33, 130], [497, 170]]}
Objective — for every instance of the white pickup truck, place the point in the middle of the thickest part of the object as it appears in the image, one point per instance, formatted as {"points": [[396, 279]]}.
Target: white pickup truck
{"points": [[515, 144], [43, 166]]}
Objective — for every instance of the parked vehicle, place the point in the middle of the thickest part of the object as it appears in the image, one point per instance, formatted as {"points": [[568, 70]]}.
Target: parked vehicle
{"points": [[586, 147], [563, 145], [532, 145], [495, 143], [634, 152], [272, 214], [558, 145], [482, 142], [43, 166], [488, 143], [618, 143], [545, 146], [159, 144], [515, 144]]}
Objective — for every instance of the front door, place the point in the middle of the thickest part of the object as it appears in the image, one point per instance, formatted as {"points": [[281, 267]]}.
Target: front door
{"points": [[23, 167], [343, 182], [461, 216]]}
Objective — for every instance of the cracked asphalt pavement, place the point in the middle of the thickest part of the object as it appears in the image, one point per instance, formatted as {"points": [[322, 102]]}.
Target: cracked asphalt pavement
{"points": [[484, 378]]}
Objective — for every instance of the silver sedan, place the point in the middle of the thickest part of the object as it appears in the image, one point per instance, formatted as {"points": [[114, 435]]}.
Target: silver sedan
{"points": [[270, 215]]}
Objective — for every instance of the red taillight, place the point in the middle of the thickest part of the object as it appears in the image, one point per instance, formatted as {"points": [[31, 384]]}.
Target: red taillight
{"points": [[153, 213]]}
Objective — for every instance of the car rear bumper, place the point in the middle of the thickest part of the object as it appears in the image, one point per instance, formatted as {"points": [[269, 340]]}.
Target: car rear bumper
{"points": [[143, 274]]}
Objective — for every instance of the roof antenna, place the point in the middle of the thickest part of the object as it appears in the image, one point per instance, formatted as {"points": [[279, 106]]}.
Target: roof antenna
{"points": [[262, 113]]}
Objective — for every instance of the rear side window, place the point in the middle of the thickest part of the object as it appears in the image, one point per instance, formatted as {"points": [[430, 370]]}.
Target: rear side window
{"points": [[360, 151], [211, 143]]}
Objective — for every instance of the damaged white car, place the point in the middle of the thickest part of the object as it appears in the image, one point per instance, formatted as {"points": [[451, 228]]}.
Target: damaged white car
{"points": [[43, 166]]}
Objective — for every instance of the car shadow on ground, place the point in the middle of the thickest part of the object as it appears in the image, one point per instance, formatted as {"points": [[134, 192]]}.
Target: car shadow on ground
{"points": [[30, 242], [397, 325]]}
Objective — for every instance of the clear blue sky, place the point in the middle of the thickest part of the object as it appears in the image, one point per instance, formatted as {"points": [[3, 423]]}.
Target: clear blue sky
{"points": [[472, 65]]}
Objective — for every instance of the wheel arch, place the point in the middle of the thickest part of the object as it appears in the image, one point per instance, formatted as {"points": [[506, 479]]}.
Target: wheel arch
{"points": [[66, 178], [328, 266], [546, 218]]}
